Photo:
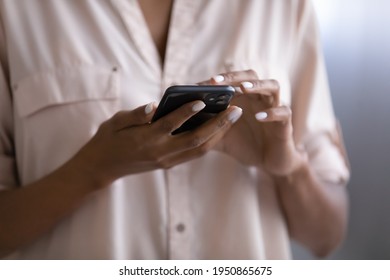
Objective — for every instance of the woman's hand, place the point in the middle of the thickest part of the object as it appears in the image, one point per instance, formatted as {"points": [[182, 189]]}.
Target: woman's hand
{"points": [[128, 143], [264, 135], [125, 144]]}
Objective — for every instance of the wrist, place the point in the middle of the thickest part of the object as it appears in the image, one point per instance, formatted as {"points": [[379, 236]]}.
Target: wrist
{"points": [[283, 160], [84, 171], [300, 171]]}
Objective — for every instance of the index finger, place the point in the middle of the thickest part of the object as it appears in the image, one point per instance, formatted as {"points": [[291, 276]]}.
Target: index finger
{"points": [[234, 78]]}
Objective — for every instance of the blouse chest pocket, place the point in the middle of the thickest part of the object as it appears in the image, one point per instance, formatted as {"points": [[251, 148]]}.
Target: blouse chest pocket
{"points": [[63, 107], [66, 86]]}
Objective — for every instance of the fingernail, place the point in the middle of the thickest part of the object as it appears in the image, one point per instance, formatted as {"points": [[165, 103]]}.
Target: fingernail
{"points": [[247, 84], [218, 78], [235, 114], [198, 106], [149, 108], [261, 116]]}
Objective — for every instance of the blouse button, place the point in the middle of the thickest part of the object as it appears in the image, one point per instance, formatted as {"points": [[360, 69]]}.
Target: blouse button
{"points": [[180, 227]]}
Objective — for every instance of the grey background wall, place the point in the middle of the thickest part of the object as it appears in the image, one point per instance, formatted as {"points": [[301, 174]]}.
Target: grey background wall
{"points": [[356, 42]]}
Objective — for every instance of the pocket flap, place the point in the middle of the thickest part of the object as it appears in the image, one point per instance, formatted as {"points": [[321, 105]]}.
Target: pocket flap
{"points": [[65, 85]]}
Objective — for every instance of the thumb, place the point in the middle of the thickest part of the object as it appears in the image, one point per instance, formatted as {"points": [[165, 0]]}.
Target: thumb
{"points": [[138, 116]]}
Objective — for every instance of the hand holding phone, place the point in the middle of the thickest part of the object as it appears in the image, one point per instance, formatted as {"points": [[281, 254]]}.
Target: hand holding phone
{"points": [[216, 97]]}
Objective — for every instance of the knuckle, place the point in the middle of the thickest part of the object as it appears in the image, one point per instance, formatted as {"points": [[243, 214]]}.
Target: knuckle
{"points": [[116, 120], [221, 122], [195, 141], [259, 83], [167, 125], [229, 76], [104, 125], [251, 73], [275, 84], [288, 111], [117, 116]]}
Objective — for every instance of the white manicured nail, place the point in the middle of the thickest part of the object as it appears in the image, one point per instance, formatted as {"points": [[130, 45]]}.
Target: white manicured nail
{"points": [[235, 114], [198, 106], [247, 84], [261, 116], [218, 78], [149, 108]]}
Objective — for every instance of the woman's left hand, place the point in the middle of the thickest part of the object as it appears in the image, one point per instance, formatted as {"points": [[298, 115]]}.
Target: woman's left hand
{"points": [[264, 134]]}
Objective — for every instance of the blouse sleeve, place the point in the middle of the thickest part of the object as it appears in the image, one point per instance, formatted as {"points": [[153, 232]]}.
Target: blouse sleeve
{"points": [[8, 173], [315, 126]]}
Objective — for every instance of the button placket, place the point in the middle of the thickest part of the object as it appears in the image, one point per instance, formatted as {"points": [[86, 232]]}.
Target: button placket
{"points": [[175, 71], [136, 25], [179, 42], [179, 213]]}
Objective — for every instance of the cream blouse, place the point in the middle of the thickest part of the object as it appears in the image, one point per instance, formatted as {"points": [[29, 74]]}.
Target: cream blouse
{"points": [[66, 66]]}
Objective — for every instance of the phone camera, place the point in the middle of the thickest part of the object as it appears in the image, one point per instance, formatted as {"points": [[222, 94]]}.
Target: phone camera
{"points": [[211, 98], [216, 99]]}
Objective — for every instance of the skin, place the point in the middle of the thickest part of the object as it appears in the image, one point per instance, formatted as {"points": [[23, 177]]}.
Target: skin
{"points": [[157, 15], [125, 144], [316, 212]]}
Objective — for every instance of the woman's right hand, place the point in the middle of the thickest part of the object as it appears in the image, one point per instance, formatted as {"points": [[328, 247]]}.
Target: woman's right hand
{"points": [[125, 144], [128, 143]]}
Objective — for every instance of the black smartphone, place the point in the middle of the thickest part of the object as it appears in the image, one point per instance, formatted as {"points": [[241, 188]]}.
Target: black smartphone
{"points": [[216, 98]]}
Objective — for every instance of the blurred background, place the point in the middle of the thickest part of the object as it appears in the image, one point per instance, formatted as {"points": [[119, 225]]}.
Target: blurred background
{"points": [[356, 43]]}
